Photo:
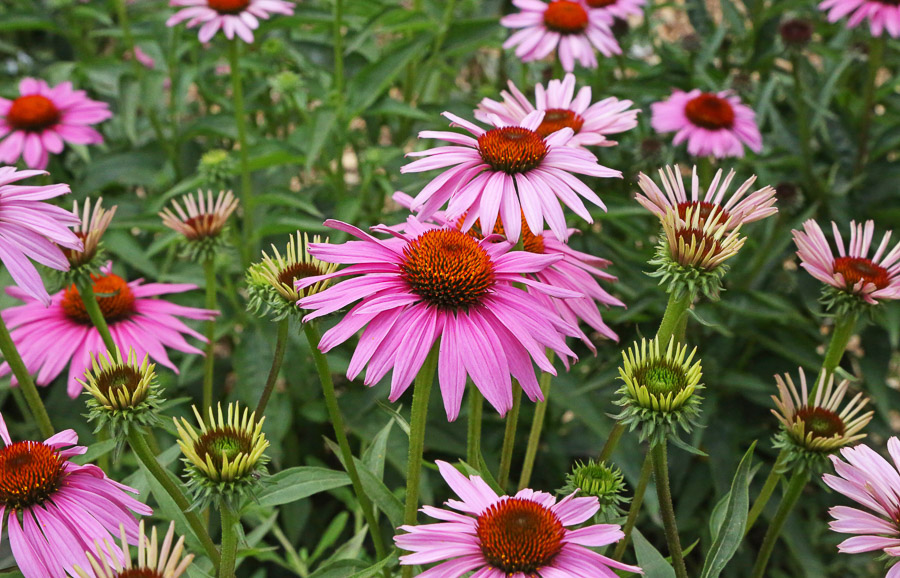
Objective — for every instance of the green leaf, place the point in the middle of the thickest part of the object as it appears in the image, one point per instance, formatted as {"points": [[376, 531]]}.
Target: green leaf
{"points": [[301, 482], [94, 451], [727, 534], [374, 79], [122, 245], [376, 568], [375, 454], [649, 559], [377, 491]]}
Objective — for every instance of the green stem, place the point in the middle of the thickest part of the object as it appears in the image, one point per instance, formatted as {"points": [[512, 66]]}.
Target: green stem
{"points": [[876, 54], [418, 419], [240, 119], [89, 299], [473, 435], [766, 493], [803, 126], [635, 507], [140, 448], [612, 441], [795, 488], [432, 67], [209, 363], [664, 493], [17, 366], [337, 422], [537, 426], [843, 331], [338, 95], [277, 359], [674, 319], [231, 522], [509, 436]]}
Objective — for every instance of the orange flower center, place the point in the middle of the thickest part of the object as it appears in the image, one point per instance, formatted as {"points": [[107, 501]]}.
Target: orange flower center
{"points": [[710, 111], [32, 113], [448, 269], [139, 573], [559, 118], [30, 472], [228, 6], [600, 3], [821, 422], [519, 536], [856, 269], [512, 149], [531, 242], [697, 237], [566, 17], [113, 295], [296, 272], [705, 209]]}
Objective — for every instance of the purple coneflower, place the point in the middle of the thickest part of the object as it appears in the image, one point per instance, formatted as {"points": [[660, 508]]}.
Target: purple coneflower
{"points": [[233, 17]]}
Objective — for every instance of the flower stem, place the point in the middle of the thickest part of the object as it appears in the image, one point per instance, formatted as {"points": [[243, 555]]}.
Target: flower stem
{"points": [[803, 124], [843, 331], [635, 508], [674, 320], [795, 488], [765, 493], [664, 493], [89, 299], [473, 435], [240, 119], [142, 450], [537, 425], [231, 521], [209, 363], [12, 357], [337, 421], [277, 359], [418, 418], [509, 436], [611, 442], [338, 94], [876, 54]]}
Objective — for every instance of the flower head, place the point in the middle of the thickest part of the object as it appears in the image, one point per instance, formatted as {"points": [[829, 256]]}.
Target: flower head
{"points": [[52, 507], [152, 561], [42, 118], [239, 17], [48, 339], [432, 284], [504, 172], [90, 230], [215, 169], [32, 229], [523, 535], [272, 283], [659, 390], [714, 124], [813, 430], [620, 9], [883, 16], [562, 108], [872, 481], [201, 220], [796, 32], [600, 480], [570, 25], [851, 278]]}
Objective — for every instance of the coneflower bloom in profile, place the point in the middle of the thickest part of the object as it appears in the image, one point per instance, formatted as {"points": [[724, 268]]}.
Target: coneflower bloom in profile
{"points": [[714, 124], [430, 284], [90, 230], [872, 481], [852, 272], [152, 560], [54, 509], [202, 217], [590, 122], [240, 17], [569, 25], [41, 119], [504, 172], [621, 9], [528, 534], [32, 229], [49, 339], [881, 15]]}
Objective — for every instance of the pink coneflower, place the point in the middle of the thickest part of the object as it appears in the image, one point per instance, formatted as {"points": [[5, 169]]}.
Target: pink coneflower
{"points": [[239, 17], [738, 209], [712, 123], [430, 283], [852, 271], [869, 479], [48, 339], [38, 122], [526, 535], [54, 510], [32, 229], [507, 171], [569, 24], [882, 15], [621, 9], [590, 122]]}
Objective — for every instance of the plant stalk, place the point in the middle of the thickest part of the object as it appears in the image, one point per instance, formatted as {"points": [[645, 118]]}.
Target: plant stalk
{"points": [[635, 509], [795, 488], [509, 436], [277, 360], [26, 383], [843, 331], [473, 435], [765, 494], [89, 299], [537, 426], [209, 363], [664, 492], [803, 125], [876, 55], [231, 521], [240, 118]]}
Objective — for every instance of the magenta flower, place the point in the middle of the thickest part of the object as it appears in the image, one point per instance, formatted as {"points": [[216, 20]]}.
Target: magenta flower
{"points": [[507, 171], [567, 24], [872, 481], [48, 339], [882, 15], [621, 9], [239, 17], [590, 122], [714, 124], [38, 122], [54, 510], [852, 271], [32, 229], [526, 535], [430, 284]]}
